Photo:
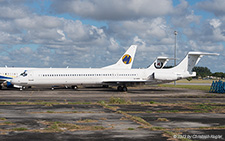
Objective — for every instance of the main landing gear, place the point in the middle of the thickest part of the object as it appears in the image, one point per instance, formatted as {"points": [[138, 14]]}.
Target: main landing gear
{"points": [[75, 87], [122, 88]]}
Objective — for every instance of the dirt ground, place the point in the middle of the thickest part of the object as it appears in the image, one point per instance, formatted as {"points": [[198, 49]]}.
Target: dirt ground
{"points": [[142, 113]]}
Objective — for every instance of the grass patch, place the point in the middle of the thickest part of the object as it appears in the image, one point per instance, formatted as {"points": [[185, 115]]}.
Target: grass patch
{"points": [[118, 100], [194, 81], [5, 103], [7, 122], [50, 111], [162, 119], [141, 120], [2, 118], [168, 111], [98, 128], [213, 127], [152, 102], [79, 103], [86, 121], [157, 128], [193, 87], [130, 128], [61, 127], [20, 129], [208, 108]]}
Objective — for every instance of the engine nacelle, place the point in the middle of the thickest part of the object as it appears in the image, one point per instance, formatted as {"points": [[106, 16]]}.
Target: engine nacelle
{"points": [[166, 76], [7, 84]]}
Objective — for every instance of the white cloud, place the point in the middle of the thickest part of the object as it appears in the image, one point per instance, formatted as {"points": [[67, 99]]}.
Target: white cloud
{"points": [[62, 34], [215, 23], [183, 16], [214, 6], [12, 12], [114, 9]]}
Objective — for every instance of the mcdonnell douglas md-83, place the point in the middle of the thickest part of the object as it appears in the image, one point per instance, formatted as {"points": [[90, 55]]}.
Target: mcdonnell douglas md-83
{"points": [[110, 76], [8, 73]]}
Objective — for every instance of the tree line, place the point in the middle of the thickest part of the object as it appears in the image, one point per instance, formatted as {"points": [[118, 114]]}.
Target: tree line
{"points": [[204, 72]]}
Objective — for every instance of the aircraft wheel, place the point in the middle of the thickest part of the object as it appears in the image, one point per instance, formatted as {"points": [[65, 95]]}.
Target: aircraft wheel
{"points": [[75, 87], [53, 88], [22, 88], [119, 88], [0, 87], [105, 86], [124, 88]]}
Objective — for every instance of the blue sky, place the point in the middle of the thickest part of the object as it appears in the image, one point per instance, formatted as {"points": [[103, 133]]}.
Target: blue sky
{"points": [[95, 33]]}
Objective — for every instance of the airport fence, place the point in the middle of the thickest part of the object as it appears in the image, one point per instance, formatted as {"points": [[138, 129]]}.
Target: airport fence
{"points": [[217, 87]]}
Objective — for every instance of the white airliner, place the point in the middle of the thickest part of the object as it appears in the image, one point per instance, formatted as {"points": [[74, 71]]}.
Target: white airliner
{"points": [[119, 77], [8, 73]]}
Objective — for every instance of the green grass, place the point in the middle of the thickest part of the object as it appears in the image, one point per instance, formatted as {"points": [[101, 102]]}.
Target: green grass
{"points": [[50, 111], [98, 128], [193, 87], [207, 108], [8, 122], [130, 128], [114, 100], [20, 129], [157, 128], [2, 118], [194, 81]]}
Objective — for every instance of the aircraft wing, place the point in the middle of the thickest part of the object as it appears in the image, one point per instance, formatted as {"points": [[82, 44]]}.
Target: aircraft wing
{"points": [[128, 83]]}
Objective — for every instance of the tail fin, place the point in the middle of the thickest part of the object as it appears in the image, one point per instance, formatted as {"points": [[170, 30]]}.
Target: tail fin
{"points": [[126, 61], [159, 63], [191, 59]]}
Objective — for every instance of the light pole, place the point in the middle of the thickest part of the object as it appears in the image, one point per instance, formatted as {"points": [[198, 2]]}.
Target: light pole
{"points": [[175, 52]]}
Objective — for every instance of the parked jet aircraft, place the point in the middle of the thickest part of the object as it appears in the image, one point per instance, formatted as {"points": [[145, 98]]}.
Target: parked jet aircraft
{"points": [[7, 73], [119, 77]]}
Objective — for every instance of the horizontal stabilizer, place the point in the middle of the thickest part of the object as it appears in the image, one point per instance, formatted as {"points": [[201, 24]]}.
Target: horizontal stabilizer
{"points": [[159, 63], [191, 60]]}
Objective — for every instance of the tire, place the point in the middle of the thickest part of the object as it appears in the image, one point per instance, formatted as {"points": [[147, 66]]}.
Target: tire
{"points": [[124, 89], [119, 88], [75, 87]]}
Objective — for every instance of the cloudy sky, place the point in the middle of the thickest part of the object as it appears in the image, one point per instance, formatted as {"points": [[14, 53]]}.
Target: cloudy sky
{"points": [[95, 33]]}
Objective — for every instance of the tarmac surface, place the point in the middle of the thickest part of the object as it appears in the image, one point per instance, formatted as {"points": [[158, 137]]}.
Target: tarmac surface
{"points": [[142, 113]]}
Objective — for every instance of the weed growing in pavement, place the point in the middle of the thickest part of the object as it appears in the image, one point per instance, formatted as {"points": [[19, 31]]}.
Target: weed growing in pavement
{"points": [[7, 122], [20, 129], [207, 108], [162, 119], [2, 118], [152, 102], [118, 100], [86, 121], [50, 111], [156, 128]]}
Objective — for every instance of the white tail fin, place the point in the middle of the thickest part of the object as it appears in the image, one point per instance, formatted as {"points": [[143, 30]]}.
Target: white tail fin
{"points": [[159, 63], [182, 70], [190, 61], [126, 61]]}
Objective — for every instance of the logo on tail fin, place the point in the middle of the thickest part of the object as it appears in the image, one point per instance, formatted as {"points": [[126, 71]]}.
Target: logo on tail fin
{"points": [[158, 65], [126, 59]]}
